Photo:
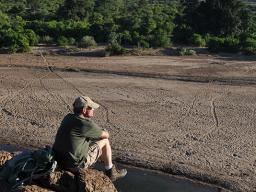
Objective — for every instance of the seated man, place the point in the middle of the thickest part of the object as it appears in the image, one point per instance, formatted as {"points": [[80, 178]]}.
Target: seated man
{"points": [[80, 142]]}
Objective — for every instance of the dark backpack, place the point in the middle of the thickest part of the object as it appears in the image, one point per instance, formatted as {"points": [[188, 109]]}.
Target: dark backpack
{"points": [[27, 166]]}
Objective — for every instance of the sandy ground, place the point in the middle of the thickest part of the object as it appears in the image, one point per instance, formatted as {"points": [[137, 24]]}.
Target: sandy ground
{"points": [[191, 116]]}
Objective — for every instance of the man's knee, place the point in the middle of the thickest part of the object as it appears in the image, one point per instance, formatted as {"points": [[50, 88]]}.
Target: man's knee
{"points": [[102, 143]]}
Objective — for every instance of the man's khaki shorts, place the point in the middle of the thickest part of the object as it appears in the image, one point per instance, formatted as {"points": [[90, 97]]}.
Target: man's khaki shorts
{"points": [[93, 155]]}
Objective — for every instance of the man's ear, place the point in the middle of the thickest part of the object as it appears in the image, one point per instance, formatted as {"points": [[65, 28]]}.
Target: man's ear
{"points": [[84, 110]]}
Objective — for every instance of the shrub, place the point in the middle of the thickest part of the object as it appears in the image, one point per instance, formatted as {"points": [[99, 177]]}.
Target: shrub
{"points": [[160, 39], [71, 41], [228, 44], [12, 34], [126, 38], [115, 48], [185, 51], [46, 39], [31, 36], [87, 41], [53, 28], [19, 44], [62, 41], [249, 45], [197, 40], [182, 34], [215, 44], [207, 38], [143, 44], [231, 44]]}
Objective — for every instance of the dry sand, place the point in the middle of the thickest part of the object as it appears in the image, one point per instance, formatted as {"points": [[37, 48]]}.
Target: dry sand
{"points": [[191, 116]]}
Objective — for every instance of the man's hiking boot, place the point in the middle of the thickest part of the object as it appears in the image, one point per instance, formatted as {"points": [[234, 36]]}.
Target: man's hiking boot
{"points": [[114, 173]]}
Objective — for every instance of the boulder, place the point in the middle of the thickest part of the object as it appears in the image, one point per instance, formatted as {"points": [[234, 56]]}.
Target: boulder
{"points": [[32, 188], [87, 180], [4, 156]]}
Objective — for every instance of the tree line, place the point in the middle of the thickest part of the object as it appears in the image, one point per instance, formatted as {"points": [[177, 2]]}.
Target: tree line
{"points": [[228, 25]]}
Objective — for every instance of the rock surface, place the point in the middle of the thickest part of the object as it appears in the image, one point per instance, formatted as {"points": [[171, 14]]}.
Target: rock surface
{"points": [[87, 180], [4, 156]]}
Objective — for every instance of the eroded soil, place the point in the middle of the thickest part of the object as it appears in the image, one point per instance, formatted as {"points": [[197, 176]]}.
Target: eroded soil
{"points": [[192, 116]]}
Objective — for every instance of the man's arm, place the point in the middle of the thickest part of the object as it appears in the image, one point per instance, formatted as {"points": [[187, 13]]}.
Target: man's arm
{"points": [[104, 134]]}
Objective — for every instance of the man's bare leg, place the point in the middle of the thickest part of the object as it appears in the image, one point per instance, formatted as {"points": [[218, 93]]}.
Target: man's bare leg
{"points": [[106, 155], [111, 171]]}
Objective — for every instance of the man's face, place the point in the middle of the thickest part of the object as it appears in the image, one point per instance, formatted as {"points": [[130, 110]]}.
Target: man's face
{"points": [[89, 112]]}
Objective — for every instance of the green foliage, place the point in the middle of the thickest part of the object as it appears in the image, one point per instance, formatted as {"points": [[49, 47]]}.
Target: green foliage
{"points": [[249, 45], [32, 37], [228, 44], [87, 41], [17, 42], [67, 28], [115, 49], [42, 9], [197, 40], [71, 41], [129, 23], [46, 39], [217, 17], [76, 9], [31, 9], [160, 39], [231, 44], [12, 34], [186, 52], [62, 41], [148, 26], [108, 8], [182, 34]]}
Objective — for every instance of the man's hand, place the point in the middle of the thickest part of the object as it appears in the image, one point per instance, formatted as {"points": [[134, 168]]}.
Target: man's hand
{"points": [[104, 134]]}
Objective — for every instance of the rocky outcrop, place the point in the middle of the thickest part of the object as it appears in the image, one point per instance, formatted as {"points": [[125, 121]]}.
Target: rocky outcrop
{"points": [[87, 180], [32, 188], [5, 156]]}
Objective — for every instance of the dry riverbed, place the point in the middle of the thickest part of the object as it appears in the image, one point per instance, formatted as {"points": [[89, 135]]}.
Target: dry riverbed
{"points": [[191, 116]]}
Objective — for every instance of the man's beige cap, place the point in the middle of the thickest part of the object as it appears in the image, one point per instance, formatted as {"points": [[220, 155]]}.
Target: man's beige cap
{"points": [[85, 101]]}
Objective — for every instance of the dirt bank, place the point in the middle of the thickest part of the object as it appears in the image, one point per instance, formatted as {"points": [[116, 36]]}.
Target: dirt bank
{"points": [[201, 130]]}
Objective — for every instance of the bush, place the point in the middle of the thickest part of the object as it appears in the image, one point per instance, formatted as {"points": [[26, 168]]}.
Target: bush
{"points": [[182, 34], [87, 41], [249, 45], [46, 39], [62, 41], [215, 44], [17, 42], [115, 49], [71, 41], [197, 40], [231, 44], [31, 36], [228, 44], [160, 39], [12, 34], [186, 52], [143, 44], [207, 38], [53, 28]]}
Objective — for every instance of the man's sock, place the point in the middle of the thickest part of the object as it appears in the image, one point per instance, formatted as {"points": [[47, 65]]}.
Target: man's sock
{"points": [[108, 167]]}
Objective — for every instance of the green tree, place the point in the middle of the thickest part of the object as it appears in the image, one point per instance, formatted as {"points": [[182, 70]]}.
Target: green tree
{"points": [[12, 34], [217, 17], [42, 9], [109, 7], [76, 9]]}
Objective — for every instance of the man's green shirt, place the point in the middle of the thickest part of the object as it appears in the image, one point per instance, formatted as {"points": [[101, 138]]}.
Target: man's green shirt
{"points": [[72, 140]]}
